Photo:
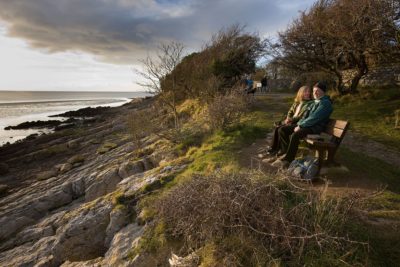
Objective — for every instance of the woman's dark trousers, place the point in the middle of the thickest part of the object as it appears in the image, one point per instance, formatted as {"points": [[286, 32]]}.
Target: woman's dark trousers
{"points": [[290, 140], [275, 139]]}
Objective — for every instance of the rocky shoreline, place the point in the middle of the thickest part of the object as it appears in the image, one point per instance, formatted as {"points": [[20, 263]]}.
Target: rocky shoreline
{"points": [[69, 198]]}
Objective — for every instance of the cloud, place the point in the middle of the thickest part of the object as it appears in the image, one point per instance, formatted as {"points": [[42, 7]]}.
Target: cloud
{"points": [[122, 31]]}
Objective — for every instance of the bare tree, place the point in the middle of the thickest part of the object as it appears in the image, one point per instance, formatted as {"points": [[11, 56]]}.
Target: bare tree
{"points": [[156, 71]]}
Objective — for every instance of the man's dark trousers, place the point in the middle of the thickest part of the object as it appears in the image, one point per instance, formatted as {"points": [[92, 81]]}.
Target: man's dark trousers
{"points": [[289, 140]]}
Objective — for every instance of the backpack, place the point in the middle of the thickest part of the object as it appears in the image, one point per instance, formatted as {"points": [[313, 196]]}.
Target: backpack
{"points": [[304, 169]]}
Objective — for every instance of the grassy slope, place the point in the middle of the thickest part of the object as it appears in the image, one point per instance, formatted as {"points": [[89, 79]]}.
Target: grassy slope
{"points": [[221, 150], [372, 114]]}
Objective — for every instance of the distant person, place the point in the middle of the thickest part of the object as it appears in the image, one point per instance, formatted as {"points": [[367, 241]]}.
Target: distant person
{"points": [[264, 84], [314, 122], [298, 109], [249, 84], [250, 89]]}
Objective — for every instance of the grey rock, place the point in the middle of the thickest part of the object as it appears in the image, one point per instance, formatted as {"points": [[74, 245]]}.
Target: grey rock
{"points": [[76, 159], [90, 263], [3, 189], [54, 198], [30, 254], [166, 169], [118, 219], [122, 244], [11, 224], [46, 175], [83, 233], [105, 183], [73, 144], [63, 168], [148, 164], [4, 169], [78, 187], [129, 168]]}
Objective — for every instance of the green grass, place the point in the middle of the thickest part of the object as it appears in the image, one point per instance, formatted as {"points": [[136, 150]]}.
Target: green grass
{"points": [[371, 114]]}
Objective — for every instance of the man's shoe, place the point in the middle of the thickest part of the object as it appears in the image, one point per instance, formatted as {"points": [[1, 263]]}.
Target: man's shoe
{"points": [[269, 160], [271, 152], [280, 164]]}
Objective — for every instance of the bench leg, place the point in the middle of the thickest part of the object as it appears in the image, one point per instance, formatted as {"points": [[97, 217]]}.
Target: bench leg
{"points": [[320, 154], [331, 155]]}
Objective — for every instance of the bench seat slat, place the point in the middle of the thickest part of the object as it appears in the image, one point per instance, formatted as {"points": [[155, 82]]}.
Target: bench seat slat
{"points": [[335, 132], [338, 124], [322, 144]]}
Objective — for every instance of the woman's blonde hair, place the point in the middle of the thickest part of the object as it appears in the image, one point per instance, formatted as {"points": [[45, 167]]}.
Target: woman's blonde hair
{"points": [[299, 96]]}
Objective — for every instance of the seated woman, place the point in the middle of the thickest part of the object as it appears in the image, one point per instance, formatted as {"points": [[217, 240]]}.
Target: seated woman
{"points": [[300, 105]]}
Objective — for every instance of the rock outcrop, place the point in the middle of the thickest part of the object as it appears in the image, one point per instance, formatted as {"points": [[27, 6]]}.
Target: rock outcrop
{"points": [[62, 204]]}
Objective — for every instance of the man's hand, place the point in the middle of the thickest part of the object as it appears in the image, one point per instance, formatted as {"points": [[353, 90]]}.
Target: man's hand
{"points": [[297, 129]]}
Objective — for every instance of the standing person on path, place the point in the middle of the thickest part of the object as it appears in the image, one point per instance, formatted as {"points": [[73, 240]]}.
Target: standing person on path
{"points": [[298, 109], [313, 123], [264, 84]]}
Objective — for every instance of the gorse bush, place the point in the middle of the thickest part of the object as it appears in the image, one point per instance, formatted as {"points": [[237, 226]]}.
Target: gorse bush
{"points": [[258, 221]]}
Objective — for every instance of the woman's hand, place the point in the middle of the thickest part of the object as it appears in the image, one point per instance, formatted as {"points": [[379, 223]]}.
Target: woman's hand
{"points": [[288, 121]]}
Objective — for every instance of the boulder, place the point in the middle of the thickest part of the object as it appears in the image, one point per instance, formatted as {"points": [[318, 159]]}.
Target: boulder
{"points": [[129, 168], [121, 246], [147, 163], [76, 159], [63, 168], [118, 219], [82, 234], [104, 183], [30, 254]]}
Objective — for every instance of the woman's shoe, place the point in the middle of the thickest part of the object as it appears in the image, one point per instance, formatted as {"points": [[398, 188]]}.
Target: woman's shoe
{"points": [[280, 153]]}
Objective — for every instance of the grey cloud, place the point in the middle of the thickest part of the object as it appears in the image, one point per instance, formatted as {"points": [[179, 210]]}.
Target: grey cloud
{"points": [[121, 31]]}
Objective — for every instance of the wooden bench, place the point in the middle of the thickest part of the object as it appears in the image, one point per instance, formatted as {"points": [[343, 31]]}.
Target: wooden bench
{"points": [[332, 137]]}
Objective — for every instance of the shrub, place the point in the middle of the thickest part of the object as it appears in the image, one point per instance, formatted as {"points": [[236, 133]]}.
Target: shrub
{"points": [[255, 221], [140, 125], [226, 110]]}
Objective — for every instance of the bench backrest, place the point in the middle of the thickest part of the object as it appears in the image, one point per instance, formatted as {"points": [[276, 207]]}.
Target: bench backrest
{"points": [[337, 128]]}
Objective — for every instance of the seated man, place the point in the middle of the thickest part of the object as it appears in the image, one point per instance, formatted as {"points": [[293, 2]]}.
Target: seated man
{"points": [[313, 123]]}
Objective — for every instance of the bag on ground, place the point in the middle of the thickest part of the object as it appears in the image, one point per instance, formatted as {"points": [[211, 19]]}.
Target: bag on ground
{"points": [[305, 168]]}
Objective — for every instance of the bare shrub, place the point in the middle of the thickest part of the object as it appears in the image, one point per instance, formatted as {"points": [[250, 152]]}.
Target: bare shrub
{"points": [[257, 220], [140, 124], [226, 110]]}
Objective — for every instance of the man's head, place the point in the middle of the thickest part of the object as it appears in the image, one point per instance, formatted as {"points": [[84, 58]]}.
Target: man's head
{"points": [[319, 90]]}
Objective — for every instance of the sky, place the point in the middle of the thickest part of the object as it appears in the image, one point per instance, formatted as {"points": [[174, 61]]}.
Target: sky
{"points": [[94, 45]]}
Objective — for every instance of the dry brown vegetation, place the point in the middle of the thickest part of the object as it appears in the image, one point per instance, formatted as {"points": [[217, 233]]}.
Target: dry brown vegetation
{"points": [[226, 110], [256, 220]]}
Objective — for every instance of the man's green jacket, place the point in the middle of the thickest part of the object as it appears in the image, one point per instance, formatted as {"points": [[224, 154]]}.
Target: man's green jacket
{"points": [[318, 115]]}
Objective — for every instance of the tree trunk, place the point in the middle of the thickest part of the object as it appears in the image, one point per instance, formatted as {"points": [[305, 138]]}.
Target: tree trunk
{"points": [[340, 84], [361, 71]]}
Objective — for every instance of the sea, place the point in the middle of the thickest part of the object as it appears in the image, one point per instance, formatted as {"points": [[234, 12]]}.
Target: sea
{"points": [[21, 106]]}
